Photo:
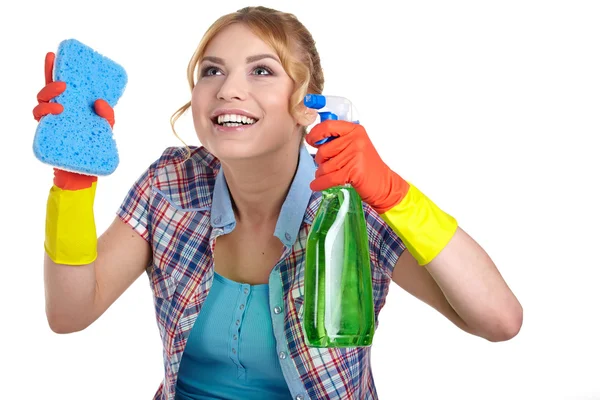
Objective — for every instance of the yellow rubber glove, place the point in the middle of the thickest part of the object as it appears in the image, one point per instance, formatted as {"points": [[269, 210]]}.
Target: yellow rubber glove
{"points": [[423, 227], [351, 158], [70, 226]]}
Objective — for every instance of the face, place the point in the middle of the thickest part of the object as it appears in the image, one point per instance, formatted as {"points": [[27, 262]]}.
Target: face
{"points": [[240, 104]]}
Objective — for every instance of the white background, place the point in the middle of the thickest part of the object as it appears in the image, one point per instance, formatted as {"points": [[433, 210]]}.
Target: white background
{"points": [[490, 108]]}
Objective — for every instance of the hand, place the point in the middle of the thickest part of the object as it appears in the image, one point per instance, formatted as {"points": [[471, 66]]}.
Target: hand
{"points": [[64, 179], [352, 158], [53, 89]]}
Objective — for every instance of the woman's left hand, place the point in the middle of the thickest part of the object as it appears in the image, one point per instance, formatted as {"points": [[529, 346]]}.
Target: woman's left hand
{"points": [[352, 158]]}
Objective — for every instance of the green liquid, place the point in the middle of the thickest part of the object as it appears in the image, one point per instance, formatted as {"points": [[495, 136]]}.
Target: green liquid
{"points": [[338, 294]]}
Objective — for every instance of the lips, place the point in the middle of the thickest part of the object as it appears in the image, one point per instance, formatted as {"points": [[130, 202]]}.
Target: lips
{"points": [[234, 120]]}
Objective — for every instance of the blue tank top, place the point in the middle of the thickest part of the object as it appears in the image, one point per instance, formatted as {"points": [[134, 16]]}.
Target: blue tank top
{"points": [[231, 351]]}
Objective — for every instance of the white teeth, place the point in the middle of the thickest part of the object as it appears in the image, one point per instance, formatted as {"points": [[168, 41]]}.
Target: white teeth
{"points": [[235, 118]]}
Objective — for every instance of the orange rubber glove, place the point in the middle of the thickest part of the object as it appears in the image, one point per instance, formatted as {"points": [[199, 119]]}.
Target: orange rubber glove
{"points": [[70, 225], [352, 158]]}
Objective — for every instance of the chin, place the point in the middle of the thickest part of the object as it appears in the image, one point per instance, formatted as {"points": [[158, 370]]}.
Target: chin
{"points": [[242, 144], [232, 151]]}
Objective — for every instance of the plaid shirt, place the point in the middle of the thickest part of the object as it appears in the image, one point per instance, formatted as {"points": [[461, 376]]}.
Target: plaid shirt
{"points": [[181, 208]]}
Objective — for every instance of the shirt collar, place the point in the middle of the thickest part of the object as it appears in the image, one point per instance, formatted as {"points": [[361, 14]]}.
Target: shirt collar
{"points": [[293, 208]]}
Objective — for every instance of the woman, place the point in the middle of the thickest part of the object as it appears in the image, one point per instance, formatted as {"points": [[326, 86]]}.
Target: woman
{"points": [[221, 229]]}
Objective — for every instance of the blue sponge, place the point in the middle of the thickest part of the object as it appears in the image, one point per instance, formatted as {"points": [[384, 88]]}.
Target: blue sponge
{"points": [[77, 139]]}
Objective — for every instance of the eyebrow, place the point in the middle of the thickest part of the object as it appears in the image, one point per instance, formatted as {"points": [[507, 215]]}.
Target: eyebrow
{"points": [[218, 60]]}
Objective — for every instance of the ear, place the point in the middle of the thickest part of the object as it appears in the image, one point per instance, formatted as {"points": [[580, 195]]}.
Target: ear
{"points": [[306, 116]]}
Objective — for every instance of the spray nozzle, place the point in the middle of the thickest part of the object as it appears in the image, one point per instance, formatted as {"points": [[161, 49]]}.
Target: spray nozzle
{"points": [[332, 107]]}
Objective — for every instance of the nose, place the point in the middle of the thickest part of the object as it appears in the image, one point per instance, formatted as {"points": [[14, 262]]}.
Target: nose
{"points": [[233, 88]]}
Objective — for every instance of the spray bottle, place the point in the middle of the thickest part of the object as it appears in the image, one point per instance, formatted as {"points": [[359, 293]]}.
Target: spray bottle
{"points": [[338, 293]]}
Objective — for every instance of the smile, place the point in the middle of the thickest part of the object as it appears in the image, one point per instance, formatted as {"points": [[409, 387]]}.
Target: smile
{"points": [[234, 120]]}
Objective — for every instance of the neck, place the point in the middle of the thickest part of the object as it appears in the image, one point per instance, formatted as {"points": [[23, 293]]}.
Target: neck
{"points": [[258, 187]]}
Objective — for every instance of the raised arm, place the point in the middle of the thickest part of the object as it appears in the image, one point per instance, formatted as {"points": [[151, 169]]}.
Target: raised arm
{"points": [[83, 275]]}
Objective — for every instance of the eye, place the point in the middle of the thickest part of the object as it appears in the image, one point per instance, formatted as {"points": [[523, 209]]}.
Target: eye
{"points": [[262, 70], [210, 70]]}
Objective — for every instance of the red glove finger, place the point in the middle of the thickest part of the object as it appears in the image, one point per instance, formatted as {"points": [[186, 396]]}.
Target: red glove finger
{"points": [[104, 110], [336, 178], [50, 91], [49, 66], [330, 128], [330, 149], [343, 168], [43, 109], [334, 164]]}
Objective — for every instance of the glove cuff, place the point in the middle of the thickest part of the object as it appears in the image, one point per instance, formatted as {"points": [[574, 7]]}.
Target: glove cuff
{"points": [[70, 226], [423, 227]]}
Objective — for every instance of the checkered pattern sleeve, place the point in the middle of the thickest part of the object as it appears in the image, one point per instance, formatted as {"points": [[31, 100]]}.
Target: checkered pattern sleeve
{"points": [[136, 209], [135, 206]]}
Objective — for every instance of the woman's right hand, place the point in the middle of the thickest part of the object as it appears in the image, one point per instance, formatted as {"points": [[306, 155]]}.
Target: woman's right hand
{"points": [[55, 88], [64, 179]]}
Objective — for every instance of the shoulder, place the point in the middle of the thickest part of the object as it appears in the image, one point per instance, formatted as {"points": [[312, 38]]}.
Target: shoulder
{"points": [[377, 228], [176, 158], [186, 180]]}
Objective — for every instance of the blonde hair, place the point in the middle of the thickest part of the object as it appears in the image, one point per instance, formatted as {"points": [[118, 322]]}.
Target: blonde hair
{"points": [[291, 41]]}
